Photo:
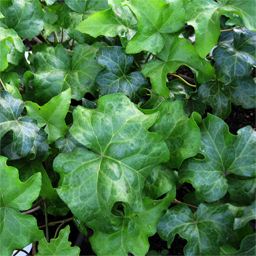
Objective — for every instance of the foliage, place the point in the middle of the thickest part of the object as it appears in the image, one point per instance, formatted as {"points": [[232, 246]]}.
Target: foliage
{"points": [[99, 122]]}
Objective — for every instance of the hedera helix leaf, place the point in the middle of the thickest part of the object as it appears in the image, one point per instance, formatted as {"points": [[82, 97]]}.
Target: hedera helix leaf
{"points": [[118, 20], [59, 246], [24, 129], [204, 15], [180, 133], [51, 115], [56, 72], [224, 154], [129, 232], [121, 157], [115, 78], [205, 232], [234, 60], [19, 14], [176, 52], [17, 230], [155, 18], [240, 91]]}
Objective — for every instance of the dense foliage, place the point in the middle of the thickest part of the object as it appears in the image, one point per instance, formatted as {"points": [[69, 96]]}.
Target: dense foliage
{"points": [[100, 122]]}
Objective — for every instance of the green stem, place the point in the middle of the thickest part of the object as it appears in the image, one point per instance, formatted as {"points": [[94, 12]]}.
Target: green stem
{"points": [[62, 35], [56, 222], [135, 62], [226, 30], [56, 37], [179, 202], [58, 228], [187, 83], [38, 202], [3, 84], [148, 57], [46, 221]]}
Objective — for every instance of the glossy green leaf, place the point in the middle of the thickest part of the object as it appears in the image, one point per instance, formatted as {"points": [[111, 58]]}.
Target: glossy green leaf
{"points": [[119, 160], [224, 154], [219, 96], [155, 18], [50, 18], [205, 232], [59, 246], [19, 14], [118, 20], [51, 115], [204, 15], [56, 72], [234, 60], [24, 129], [176, 52], [115, 78], [17, 230], [248, 214], [180, 133], [129, 232]]}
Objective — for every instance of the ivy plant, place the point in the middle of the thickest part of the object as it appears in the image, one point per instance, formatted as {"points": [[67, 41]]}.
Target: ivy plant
{"points": [[99, 128]]}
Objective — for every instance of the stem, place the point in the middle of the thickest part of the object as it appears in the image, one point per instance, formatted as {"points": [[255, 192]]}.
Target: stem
{"points": [[148, 57], [135, 62], [179, 202], [38, 40], [56, 222], [34, 251], [62, 35], [45, 38], [73, 43], [209, 57], [31, 210], [58, 228], [46, 221], [114, 41], [3, 84], [38, 202], [56, 37], [226, 30], [191, 85], [20, 250]]}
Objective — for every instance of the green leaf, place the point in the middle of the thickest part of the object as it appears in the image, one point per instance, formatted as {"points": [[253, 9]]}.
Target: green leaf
{"points": [[176, 52], [115, 77], [155, 18], [19, 14], [129, 232], [224, 154], [56, 72], [204, 15], [234, 60], [219, 96], [121, 157], [205, 232], [248, 214], [180, 133], [51, 115], [17, 230], [59, 246], [50, 17], [8, 35], [24, 129], [118, 20]]}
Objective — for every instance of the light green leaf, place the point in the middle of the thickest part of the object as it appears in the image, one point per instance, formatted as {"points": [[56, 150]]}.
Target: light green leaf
{"points": [[121, 157], [224, 154], [17, 230], [56, 72], [128, 233], [59, 246], [248, 214], [155, 18], [205, 232], [204, 15], [176, 52], [50, 17], [180, 133], [19, 14], [24, 129], [51, 115], [240, 91], [115, 78]]}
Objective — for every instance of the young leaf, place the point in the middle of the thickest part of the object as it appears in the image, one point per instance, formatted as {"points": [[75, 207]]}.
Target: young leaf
{"points": [[219, 96], [17, 230], [19, 14], [205, 232], [180, 133], [56, 72], [24, 129], [224, 154], [128, 233], [59, 246], [204, 15], [115, 77], [155, 18], [120, 159], [51, 115], [176, 52]]}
